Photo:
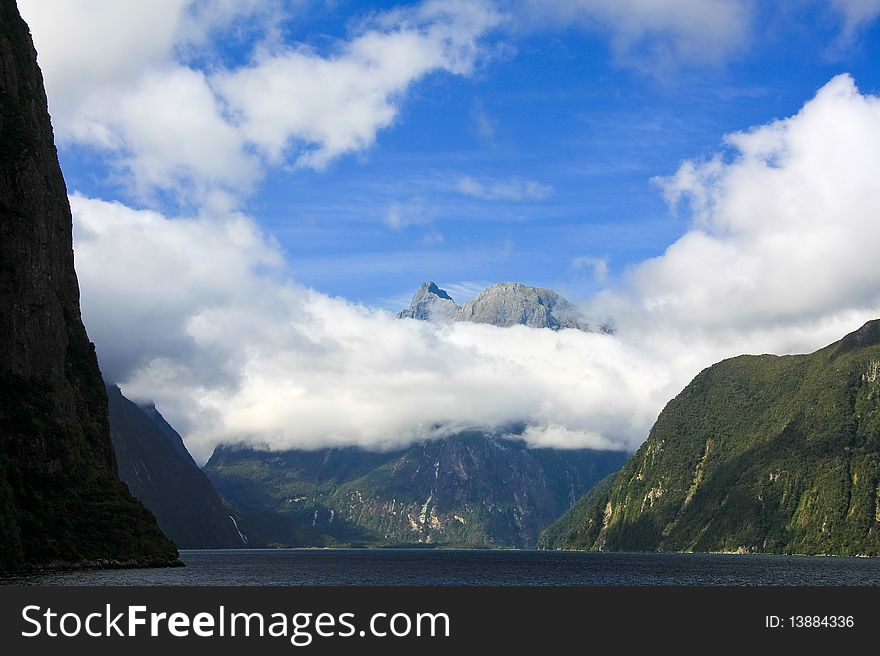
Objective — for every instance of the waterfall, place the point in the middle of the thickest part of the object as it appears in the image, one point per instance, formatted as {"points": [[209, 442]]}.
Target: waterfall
{"points": [[241, 535]]}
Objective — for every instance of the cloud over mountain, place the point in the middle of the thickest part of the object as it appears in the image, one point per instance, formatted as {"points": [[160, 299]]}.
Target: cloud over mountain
{"points": [[199, 314], [196, 315]]}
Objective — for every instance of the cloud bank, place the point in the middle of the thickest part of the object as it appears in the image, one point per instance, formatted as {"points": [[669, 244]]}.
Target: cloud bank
{"points": [[197, 313], [232, 352]]}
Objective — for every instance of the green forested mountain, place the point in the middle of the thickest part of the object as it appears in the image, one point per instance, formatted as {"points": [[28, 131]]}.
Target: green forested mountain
{"points": [[472, 489], [757, 454]]}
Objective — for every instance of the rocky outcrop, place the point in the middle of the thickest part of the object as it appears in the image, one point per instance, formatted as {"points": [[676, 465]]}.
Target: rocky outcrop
{"points": [[60, 498], [512, 304], [431, 303], [503, 304]]}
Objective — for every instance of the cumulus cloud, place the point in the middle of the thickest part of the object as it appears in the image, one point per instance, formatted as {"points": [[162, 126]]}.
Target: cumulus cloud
{"points": [[336, 104], [654, 34], [145, 278], [87, 46], [167, 132], [513, 189], [197, 314], [785, 227], [781, 255], [171, 125]]}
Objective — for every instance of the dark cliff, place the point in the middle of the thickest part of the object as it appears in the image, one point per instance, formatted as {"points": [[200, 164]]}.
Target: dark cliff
{"points": [[154, 463], [60, 498]]}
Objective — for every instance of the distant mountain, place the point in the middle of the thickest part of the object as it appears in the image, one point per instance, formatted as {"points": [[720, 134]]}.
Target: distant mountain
{"points": [[154, 463], [471, 490], [61, 501], [757, 454], [503, 304], [432, 303]]}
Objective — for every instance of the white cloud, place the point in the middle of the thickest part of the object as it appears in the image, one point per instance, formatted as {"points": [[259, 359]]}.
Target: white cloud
{"points": [[856, 14], [171, 126], [184, 312], [464, 290], [555, 436], [432, 238], [196, 313], [513, 189], [483, 125], [168, 131], [91, 45], [327, 106], [145, 278], [654, 33], [786, 230], [599, 266]]}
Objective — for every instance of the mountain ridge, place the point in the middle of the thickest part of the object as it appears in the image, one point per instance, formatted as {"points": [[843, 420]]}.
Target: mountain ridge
{"points": [[769, 454], [471, 489], [160, 472], [502, 304]]}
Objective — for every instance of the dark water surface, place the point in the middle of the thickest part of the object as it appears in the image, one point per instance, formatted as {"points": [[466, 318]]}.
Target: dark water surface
{"points": [[470, 567]]}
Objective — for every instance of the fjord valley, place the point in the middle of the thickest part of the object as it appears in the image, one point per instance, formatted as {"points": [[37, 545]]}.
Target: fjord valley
{"points": [[475, 488], [758, 454], [609, 201]]}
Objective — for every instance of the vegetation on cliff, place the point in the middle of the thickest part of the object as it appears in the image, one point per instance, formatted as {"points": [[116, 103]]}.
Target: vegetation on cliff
{"points": [[757, 454]]}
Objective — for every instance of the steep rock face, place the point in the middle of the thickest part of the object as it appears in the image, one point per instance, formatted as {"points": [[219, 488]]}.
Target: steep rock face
{"points": [[60, 498], [511, 304], [759, 454], [503, 304], [159, 471], [431, 303], [469, 490]]}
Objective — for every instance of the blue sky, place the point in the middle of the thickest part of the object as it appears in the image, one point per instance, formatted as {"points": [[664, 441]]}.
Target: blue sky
{"points": [[553, 106], [255, 184]]}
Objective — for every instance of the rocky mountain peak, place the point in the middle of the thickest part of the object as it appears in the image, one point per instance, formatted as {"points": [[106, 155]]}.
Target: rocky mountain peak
{"points": [[867, 335], [431, 303], [512, 303], [502, 304], [430, 289]]}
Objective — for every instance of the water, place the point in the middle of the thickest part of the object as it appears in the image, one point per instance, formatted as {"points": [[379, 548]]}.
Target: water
{"points": [[472, 567]]}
